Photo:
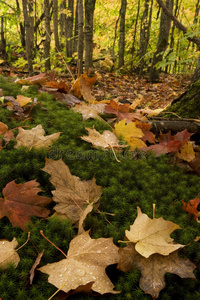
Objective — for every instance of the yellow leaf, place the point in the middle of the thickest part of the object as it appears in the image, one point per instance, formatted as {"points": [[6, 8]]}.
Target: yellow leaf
{"points": [[187, 152], [22, 100], [130, 133]]}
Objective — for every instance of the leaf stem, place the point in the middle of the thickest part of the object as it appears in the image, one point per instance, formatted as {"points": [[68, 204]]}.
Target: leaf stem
{"points": [[29, 233], [42, 234]]}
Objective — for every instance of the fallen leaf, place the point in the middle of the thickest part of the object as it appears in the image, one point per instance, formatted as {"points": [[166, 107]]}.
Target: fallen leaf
{"points": [[22, 100], [14, 106], [130, 133], [191, 207], [86, 262], [72, 194], [21, 201], [106, 140], [148, 135], [187, 152], [170, 143], [152, 235], [151, 112], [87, 111], [35, 138], [8, 254], [40, 79], [37, 262], [7, 135], [3, 128], [154, 268], [61, 86], [83, 86]]}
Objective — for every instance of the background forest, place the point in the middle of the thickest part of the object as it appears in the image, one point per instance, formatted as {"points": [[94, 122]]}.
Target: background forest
{"points": [[132, 35]]}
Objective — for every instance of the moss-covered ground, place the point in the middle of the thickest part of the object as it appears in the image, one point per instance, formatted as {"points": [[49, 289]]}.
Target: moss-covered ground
{"points": [[138, 180]]}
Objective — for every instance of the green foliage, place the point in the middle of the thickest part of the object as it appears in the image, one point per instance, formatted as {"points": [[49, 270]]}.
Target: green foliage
{"points": [[140, 179]]}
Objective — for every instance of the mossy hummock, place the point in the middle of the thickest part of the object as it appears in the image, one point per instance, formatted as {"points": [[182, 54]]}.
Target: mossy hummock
{"points": [[140, 179]]}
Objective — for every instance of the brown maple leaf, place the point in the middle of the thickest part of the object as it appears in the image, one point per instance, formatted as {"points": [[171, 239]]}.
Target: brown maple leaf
{"points": [[35, 138], [37, 79], [7, 135], [152, 235], [8, 253], [86, 262], [72, 195], [191, 207], [21, 201], [153, 269]]}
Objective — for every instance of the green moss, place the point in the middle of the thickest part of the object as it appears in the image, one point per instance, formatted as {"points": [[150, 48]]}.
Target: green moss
{"points": [[139, 180]]}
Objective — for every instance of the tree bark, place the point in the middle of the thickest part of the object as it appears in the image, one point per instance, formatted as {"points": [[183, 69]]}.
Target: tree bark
{"points": [[48, 35], [165, 25], [55, 24], [69, 31], [3, 40], [75, 43], [122, 33], [29, 48], [89, 14], [80, 37]]}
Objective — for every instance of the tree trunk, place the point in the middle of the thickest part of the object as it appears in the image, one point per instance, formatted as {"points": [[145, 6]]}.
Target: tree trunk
{"points": [[3, 40], [69, 33], [165, 25], [29, 48], [22, 29], [75, 44], [122, 33], [55, 24], [89, 13], [48, 35], [80, 37], [145, 32]]}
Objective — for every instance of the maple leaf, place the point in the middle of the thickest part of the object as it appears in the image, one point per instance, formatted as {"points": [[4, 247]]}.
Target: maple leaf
{"points": [[71, 195], [37, 79], [83, 86], [187, 152], [21, 201], [61, 86], [130, 133], [152, 235], [35, 138], [87, 111], [191, 207], [148, 135], [8, 254], [86, 262], [3, 128], [170, 143], [153, 269], [14, 106], [106, 140]]}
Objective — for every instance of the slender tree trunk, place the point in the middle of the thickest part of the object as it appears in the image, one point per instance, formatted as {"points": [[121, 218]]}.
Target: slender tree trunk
{"points": [[48, 35], [145, 32], [75, 44], [135, 30], [21, 26], [122, 33], [80, 37], [28, 36], [165, 25], [55, 24], [89, 14], [3, 40], [69, 33]]}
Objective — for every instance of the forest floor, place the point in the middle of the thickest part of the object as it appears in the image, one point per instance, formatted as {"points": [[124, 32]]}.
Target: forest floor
{"points": [[127, 88]]}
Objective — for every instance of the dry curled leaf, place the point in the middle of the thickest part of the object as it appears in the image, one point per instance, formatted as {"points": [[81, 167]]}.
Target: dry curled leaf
{"points": [[72, 194], [35, 138], [87, 111], [8, 254], [191, 207], [37, 262], [154, 268], [152, 235], [106, 140], [21, 201], [86, 262]]}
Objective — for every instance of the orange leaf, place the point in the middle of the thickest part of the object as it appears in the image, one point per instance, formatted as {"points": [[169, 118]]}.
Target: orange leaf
{"points": [[191, 207]]}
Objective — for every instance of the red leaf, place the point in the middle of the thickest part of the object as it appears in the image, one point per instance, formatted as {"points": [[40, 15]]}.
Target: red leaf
{"points": [[21, 201], [191, 207]]}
